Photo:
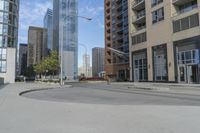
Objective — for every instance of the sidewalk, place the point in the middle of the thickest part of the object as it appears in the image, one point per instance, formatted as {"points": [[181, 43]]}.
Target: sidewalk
{"points": [[166, 87]]}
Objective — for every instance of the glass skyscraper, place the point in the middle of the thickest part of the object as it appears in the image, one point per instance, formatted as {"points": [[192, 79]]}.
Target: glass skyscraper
{"points": [[65, 33], [48, 24], [9, 16]]}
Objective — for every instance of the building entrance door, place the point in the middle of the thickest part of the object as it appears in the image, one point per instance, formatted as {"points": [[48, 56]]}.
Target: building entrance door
{"points": [[182, 74], [192, 73], [188, 74]]}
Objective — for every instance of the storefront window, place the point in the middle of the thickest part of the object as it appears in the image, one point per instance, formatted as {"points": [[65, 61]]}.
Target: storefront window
{"points": [[160, 63], [140, 67]]}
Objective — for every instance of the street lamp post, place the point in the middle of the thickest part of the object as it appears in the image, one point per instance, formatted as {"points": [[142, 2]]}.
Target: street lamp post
{"points": [[61, 43]]}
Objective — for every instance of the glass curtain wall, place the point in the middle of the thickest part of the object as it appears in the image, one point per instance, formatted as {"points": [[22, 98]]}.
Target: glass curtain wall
{"points": [[68, 35], [8, 28]]}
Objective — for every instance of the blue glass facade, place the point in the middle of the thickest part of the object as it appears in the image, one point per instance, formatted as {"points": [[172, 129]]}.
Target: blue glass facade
{"points": [[8, 29], [48, 24], [65, 33]]}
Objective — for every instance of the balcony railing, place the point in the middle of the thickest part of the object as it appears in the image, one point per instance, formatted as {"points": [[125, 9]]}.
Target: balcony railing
{"points": [[190, 8], [138, 4], [140, 28], [141, 14], [140, 18], [180, 2]]}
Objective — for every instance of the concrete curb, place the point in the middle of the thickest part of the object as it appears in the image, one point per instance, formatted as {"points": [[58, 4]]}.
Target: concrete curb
{"points": [[35, 90], [93, 81], [149, 88]]}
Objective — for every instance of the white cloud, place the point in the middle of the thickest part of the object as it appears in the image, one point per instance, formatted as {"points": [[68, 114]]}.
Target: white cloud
{"points": [[91, 11]]}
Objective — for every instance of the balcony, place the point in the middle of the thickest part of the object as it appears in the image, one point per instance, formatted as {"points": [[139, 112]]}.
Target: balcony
{"points": [[120, 31], [120, 38], [108, 10], [141, 27], [108, 37], [138, 31], [108, 30], [181, 2], [138, 4], [189, 9], [118, 1], [140, 18], [119, 15], [108, 17], [119, 23], [108, 3], [119, 8], [108, 24]]}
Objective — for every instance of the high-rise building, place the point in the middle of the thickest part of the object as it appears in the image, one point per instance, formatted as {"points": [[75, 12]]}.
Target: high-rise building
{"points": [[86, 65], [65, 35], [98, 55], [164, 40], [48, 24], [116, 39], [22, 58], [37, 45], [81, 72], [9, 16]]}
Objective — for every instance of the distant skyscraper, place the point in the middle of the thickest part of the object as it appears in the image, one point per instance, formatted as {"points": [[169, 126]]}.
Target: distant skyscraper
{"points": [[9, 16], [97, 61], [86, 65], [48, 24], [22, 58], [37, 45], [65, 33]]}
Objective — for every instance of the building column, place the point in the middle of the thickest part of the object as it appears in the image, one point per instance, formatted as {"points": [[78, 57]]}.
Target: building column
{"points": [[171, 58], [150, 63], [130, 65]]}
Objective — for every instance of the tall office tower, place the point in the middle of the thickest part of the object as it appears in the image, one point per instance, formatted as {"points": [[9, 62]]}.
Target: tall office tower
{"points": [[86, 65], [116, 39], [164, 40], [9, 16], [22, 58], [37, 45], [98, 55], [65, 35], [48, 24]]}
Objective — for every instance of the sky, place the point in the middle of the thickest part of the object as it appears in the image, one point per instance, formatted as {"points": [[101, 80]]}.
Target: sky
{"points": [[91, 33]]}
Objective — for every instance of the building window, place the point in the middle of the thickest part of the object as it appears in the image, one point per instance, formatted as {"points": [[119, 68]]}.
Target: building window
{"points": [[3, 56], [160, 63], [186, 23], [139, 38], [155, 2], [158, 15], [188, 57]]}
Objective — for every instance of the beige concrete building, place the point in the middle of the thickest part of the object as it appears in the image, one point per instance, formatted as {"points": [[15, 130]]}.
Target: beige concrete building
{"points": [[37, 45], [164, 38]]}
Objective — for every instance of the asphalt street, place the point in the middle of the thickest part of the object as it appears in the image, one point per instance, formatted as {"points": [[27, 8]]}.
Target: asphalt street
{"points": [[97, 108], [102, 93]]}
